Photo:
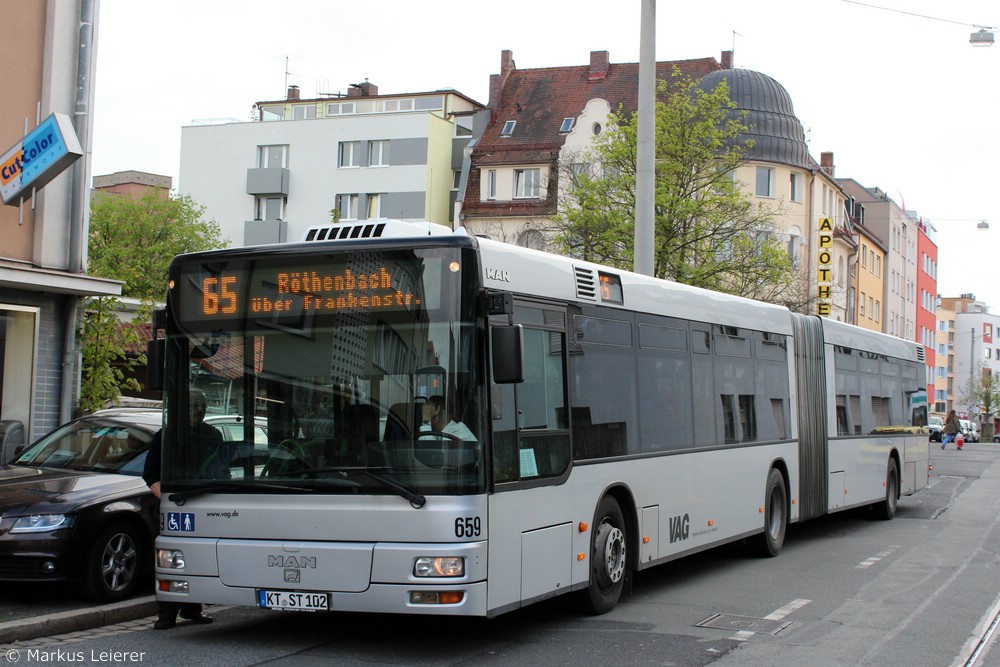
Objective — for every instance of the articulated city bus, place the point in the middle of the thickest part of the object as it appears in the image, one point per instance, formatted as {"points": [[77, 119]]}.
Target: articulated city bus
{"points": [[461, 426]]}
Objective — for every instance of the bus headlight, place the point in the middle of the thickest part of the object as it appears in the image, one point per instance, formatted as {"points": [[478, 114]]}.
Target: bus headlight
{"points": [[170, 559], [439, 566]]}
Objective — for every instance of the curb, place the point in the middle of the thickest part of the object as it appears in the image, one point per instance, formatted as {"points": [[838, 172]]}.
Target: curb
{"points": [[77, 620]]}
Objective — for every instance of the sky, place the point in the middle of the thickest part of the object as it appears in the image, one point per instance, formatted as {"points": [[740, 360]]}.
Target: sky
{"points": [[892, 87]]}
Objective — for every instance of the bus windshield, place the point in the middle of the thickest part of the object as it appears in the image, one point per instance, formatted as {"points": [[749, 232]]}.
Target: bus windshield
{"points": [[360, 367]]}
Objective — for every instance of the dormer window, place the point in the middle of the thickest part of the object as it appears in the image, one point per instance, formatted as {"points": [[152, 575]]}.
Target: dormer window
{"points": [[566, 126], [508, 128]]}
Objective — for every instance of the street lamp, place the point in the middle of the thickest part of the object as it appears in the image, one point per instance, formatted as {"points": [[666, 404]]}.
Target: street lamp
{"points": [[982, 38]]}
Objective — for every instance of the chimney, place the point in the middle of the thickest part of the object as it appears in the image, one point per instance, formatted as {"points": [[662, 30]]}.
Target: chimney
{"points": [[826, 163], [365, 89], [293, 93], [598, 65], [727, 60], [498, 81], [506, 63]]}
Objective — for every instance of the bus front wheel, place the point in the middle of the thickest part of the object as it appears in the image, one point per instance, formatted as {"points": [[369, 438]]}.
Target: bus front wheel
{"points": [[608, 557], [769, 542]]}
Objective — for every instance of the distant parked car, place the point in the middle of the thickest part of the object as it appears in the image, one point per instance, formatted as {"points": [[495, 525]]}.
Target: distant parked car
{"points": [[969, 430], [934, 425]]}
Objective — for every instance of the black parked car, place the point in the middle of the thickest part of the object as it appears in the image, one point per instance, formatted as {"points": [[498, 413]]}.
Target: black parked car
{"points": [[75, 509]]}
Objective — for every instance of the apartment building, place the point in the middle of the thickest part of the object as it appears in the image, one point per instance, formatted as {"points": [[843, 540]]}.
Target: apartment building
{"points": [[927, 289], [891, 223], [352, 157], [973, 348], [49, 67]]}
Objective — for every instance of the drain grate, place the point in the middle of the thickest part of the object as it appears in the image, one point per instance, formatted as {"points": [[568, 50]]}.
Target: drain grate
{"points": [[743, 623]]}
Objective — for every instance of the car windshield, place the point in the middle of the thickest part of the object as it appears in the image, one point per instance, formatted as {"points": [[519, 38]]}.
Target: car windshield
{"points": [[91, 444], [936, 421]]}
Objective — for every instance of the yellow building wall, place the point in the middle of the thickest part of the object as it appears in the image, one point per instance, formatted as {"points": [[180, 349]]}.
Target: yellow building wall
{"points": [[871, 281]]}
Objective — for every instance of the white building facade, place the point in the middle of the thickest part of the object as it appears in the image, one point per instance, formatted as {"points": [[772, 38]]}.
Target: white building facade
{"points": [[306, 162]]}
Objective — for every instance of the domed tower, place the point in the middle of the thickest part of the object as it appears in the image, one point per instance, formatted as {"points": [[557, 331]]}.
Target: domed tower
{"points": [[805, 200], [777, 133]]}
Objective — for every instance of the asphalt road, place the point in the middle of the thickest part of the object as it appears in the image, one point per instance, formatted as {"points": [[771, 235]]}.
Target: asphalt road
{"points": [[858, 592]]}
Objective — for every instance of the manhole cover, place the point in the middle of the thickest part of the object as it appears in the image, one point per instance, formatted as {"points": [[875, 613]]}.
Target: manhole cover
{"points": [[743, 623]]}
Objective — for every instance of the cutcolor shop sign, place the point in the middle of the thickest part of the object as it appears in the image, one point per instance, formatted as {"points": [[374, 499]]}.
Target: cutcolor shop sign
{"points": [[39, 157]]}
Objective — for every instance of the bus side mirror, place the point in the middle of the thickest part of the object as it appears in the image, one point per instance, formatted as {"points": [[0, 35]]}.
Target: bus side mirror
{"points": [[155, 350], [507, 347]]}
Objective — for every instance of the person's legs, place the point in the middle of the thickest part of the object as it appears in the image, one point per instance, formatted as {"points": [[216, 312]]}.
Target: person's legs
{"points": [[167, 612], [192, 612]]}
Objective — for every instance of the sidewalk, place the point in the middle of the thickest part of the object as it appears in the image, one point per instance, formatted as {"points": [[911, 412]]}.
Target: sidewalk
{"points": [[74, 616]]}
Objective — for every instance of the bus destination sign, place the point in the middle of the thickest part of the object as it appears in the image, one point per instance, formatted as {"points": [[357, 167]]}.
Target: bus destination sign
{"points": [[278, 292]]}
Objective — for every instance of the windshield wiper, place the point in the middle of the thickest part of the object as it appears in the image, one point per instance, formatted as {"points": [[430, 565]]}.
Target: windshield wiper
{"points": [[180, 497], [417, 500]]}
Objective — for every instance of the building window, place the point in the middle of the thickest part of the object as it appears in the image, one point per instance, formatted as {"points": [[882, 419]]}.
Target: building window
{"points": [[304, 112], [861, 305], [273, 157], [864, 257], [269, 208], [795, 187], [338, 108], [374, 206], [596, 129], [350, 154], [566, 126], [878, 266], [378, 153], [526, 183], [463, 126], [871, 308], [19, 331], [878, 311], [508, 128], [577, 171], [491, 184], [348, 207], [765, 182]]}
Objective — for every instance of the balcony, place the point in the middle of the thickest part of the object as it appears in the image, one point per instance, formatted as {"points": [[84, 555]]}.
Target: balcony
{"points": [[267, 181]]}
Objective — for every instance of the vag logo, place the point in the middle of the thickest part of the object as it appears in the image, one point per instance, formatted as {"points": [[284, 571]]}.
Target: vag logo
{"points": [[680, 528], [292, 561]]}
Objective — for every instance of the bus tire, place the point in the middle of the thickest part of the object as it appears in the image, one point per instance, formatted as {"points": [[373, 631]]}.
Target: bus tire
{"points": [[608, 557], [769, 542], [886, 509]]}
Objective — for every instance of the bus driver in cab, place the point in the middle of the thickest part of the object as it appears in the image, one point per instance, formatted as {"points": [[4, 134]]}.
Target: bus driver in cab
{"points": [[434, 417]]}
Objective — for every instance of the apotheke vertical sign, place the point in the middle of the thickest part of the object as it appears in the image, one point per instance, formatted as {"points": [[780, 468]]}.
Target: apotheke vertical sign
{"points": [[38, 158]]}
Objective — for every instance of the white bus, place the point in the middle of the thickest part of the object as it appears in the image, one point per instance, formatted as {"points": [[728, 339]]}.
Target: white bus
{"points": [[461, 426]]}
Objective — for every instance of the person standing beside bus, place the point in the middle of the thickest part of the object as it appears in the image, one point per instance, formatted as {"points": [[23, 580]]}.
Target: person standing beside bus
{"points": [[167, 611], [950, 429]]}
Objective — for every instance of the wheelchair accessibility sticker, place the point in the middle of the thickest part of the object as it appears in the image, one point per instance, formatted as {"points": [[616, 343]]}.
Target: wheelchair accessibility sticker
{"points": [[180, 522]]}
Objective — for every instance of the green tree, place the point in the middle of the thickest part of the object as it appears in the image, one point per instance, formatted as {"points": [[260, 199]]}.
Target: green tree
{"points": [[986, 397], [708, 232], [132, 240]]}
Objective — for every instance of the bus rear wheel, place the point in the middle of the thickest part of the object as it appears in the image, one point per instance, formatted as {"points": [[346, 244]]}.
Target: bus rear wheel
{"points": [[886, 509], [769, 542], [608, 557]]}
